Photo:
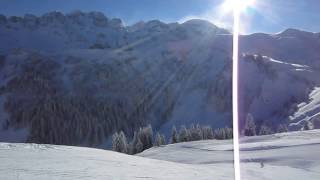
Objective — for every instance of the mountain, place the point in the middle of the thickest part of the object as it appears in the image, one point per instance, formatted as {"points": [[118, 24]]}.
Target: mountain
{"points": [[77, 78]]}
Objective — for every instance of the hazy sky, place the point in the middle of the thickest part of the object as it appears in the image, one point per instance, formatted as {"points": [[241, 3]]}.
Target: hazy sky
{"points": [[266, 16]]}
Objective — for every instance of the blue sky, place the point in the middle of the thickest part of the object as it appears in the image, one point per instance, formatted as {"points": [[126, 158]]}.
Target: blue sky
{"points": [[266, 16]]}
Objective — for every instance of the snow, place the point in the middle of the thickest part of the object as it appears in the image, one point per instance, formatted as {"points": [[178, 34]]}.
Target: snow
{"points": [[285, 156], [307, 110], [291, 155], [32, 161], [258, 95], [292, 64]]}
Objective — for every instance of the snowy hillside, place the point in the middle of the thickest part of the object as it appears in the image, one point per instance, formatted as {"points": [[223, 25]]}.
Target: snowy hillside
{"points": [[287, 156], [31, 161], [76, 78], [308, 111], [291, 45], [271, 89]]}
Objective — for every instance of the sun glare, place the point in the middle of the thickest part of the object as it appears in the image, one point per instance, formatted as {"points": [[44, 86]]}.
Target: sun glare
{"points": [[241, 5]]}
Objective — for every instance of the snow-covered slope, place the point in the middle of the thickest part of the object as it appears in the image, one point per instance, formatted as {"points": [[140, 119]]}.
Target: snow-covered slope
{"points": [[270, 90], [291, 45], [32, 161], [307, 111], [287, 156]]}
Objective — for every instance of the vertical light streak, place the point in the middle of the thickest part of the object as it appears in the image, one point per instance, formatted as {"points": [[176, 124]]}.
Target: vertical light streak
{"points": [[236, 151]]}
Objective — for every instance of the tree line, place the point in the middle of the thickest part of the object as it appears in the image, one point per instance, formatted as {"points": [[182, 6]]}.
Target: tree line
{"points": [[144, 138], [251, 129]]}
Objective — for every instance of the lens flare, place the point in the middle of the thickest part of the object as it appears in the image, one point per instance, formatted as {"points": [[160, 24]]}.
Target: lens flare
{"points": [[241, 5], [235, 120]]}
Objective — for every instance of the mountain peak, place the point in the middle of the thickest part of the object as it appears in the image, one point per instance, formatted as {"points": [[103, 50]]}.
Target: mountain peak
{"points": [[204, 25], [295, 32], [200, 22]]}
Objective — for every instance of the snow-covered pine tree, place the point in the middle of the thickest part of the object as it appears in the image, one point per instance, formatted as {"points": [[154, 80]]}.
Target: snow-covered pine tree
{"points": [[195, 133], [199, 132], [123, 142], [228, 133], [139, 146], [207, 132], [308, 126], [220, 133], [184, 134], [133, 143], [116, 142], [282, 128], [265, 130], [174, 135], [250, 126], [159, 140], [163, 139], [119, 142], [145, 135]]}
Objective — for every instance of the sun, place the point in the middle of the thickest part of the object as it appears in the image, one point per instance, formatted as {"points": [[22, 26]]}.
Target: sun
{"points": [[241, 5]]}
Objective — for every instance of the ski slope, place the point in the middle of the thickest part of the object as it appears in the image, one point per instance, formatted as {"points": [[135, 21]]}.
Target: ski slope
{"points": [[285, 156]]}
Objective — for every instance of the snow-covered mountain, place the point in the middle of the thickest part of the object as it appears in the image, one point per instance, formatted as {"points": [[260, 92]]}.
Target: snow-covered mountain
{"points": [[76, 78], [287, 156], [55, 31]]}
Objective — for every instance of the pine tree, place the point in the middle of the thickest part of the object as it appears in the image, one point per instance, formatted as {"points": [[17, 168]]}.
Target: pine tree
{"points": [[220, 134], [282, 128], [159, 140], [308, 126], [250, 127], [145, 135], [116, 142], [184, 134], [199, 132], [139, 146], [123, 142], [195, 133], [228, 133], [119, 142], [132, 146], [207, 132], [265, 130], [163, 139], [174, 135]]}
